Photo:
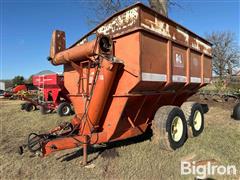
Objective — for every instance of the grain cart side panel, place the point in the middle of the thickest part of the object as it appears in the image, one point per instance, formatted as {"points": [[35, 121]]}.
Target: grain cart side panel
{"points": [[186, 52], [160, 25], [128, 47], [153, 62], [207, 73], [179, 56], [195, 63], [71, 82], [125, 47]]}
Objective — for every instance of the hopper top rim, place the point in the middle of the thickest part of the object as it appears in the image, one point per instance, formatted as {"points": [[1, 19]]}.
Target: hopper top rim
{"points": [[138, 4]]}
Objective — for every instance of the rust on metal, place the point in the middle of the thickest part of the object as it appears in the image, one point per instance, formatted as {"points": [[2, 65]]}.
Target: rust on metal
{"points": [[80, 52], [58, 43], [116, 88]]}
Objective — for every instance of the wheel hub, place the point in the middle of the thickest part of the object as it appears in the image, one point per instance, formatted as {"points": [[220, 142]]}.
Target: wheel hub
{"points": [[65, 110], [177, 129], [197, 120]]}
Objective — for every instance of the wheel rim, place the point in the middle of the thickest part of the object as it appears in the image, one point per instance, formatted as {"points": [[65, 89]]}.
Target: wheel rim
{"points": [[197, 120], [177, 129], [31, 107], [65, 110], [48, 110]]}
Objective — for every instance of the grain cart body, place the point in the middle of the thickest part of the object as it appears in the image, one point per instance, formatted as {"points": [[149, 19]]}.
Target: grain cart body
{"points": [[150, 62], [52, 83]]}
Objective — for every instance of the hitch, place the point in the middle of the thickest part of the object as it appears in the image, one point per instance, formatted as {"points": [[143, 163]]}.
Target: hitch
{"points": [[44, 144], [35, 142]]}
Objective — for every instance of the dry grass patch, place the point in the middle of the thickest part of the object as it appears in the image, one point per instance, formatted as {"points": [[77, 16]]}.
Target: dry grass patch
{"points": [[136, 158]]}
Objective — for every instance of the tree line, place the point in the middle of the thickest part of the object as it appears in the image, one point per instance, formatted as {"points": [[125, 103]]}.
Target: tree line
{"points": [[17, 80]]}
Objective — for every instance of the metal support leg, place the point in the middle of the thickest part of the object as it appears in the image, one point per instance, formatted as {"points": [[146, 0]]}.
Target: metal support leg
{"points": [[85, 150]]}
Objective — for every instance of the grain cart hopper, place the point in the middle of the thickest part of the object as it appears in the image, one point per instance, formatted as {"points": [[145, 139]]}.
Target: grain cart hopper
{"points": [[137, 73]]}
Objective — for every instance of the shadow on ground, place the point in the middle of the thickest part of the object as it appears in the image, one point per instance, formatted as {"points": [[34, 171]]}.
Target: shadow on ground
{"points": [[107, 150]]}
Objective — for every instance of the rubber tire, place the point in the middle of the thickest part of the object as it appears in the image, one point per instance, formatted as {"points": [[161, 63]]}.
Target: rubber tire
{"points": [[23, 106], [236, 112], [161, 127], [60, 109], [44, 110], [29, 107], [189, 109]]}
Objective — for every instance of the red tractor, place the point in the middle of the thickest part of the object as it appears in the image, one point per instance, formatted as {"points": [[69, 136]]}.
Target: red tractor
{"points": [[55, 95]]}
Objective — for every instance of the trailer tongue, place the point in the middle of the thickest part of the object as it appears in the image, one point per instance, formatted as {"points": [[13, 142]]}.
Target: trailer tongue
{"points": [[137, 72]]}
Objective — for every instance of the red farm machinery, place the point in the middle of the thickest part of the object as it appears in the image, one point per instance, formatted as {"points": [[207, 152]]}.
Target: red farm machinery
{"points": [[12, 94], [54, 95], [136, 74]]}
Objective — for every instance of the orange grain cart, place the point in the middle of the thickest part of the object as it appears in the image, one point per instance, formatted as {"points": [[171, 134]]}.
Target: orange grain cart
{"points": [[137, 73]]}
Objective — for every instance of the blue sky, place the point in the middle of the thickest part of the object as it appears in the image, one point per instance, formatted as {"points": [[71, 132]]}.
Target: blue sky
{"points": [[26, 28]]}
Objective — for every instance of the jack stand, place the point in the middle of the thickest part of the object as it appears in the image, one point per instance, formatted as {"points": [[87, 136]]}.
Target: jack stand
{"points": [[85, 146]]}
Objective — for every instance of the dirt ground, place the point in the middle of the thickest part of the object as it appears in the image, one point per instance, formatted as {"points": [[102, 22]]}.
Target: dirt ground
{"points": [[136, 158]]}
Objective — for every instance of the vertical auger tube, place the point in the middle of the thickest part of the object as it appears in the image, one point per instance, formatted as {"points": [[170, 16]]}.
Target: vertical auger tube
{"points": [[101, 45], [101, 91]]}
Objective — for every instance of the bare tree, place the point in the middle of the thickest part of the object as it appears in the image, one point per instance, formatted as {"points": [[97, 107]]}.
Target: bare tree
{"points": [[105, 8], [163, 6], [160, 6], [225, 51]]}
